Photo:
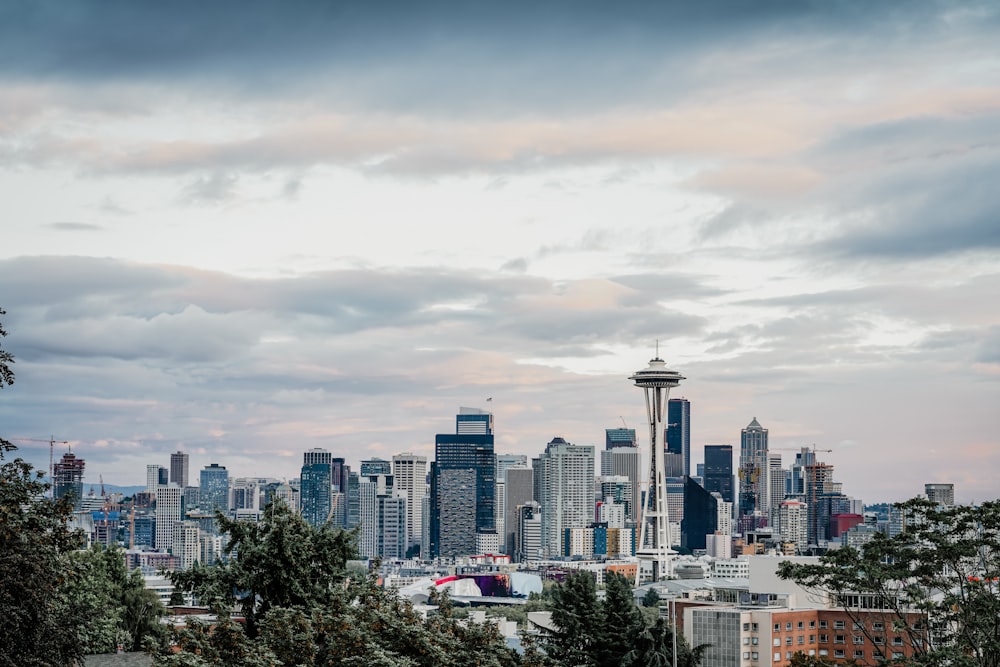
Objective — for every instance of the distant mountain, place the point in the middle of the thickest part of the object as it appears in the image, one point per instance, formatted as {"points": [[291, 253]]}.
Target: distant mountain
{"points": [[112, 488]]}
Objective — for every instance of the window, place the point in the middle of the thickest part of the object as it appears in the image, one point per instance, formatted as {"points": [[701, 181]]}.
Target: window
{"points": [[878, 640], [812, 639], [859, 639], [746, 641], [801, 625], [746, 655], [838, 639], [878, 626], [896, 655], [753, 655], [788, 625], [822, 625], [753, 641], [777, 657], [788, 641], [802, 640], [859, 626], [838, 653], [812, 624], [823, 653], [746, 627], [812, 652], [897, 641], [754, 627], [788, 655], [777, 641], [838, 625], [823, 639], [859, 655], [777, 627]]}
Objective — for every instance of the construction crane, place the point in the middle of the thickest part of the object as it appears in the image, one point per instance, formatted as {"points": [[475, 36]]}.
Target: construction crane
{"points": [[52, 445]]}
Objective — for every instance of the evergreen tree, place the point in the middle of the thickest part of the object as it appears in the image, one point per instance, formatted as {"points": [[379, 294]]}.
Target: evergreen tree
{"points": [[622, 622], [576, 615]]}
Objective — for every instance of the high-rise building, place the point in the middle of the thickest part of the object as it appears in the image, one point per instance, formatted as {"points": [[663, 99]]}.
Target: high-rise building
{"points": [[518, 490], [374, 467], [168, 512], [656, 381], [152, 478], [463, 493], [315, 491], [794, 522], [625, 461], [942, 494], [393, 539], [67, 478], [753, 477], [186, 543], [529, 532], [719, 470], [505, 461], [567, 473], [701, 516], [473, 421], [619, 437], [340, 472], [410, 474], [162, 478], [775, 488], [678, 433], [214, 492], [179, 469]]}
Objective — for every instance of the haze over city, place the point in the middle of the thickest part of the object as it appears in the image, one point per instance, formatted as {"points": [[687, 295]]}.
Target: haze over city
{"points": [[247, 230]]}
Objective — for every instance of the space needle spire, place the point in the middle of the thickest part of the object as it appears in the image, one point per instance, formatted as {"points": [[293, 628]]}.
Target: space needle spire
{"points": [[656, 381]]}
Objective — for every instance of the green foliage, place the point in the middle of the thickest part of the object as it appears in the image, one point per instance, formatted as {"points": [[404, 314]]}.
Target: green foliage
{"points": [[576, 615], [651, 598], [302, 607], [621, 621], [936, 584]]}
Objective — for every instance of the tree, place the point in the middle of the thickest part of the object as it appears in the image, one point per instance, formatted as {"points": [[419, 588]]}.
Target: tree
{"points": [[622, 622], [651, 598], [655, 648], [936, 585], [576, 615], [34, 541], [304, 607]]}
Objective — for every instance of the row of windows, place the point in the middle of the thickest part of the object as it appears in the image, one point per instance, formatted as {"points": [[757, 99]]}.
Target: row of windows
{"points": [[877, 626], [838, 653]]}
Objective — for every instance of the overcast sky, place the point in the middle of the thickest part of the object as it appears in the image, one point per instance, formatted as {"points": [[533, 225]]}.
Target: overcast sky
{"points": [[248, 229]]}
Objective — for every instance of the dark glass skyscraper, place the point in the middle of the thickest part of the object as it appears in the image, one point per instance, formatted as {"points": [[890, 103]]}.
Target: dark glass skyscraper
{"points": [[315, 491], [463, 491], [678, 436], [67, 478], [214, 492], [719, 470], [701, 515], [619, 437]]}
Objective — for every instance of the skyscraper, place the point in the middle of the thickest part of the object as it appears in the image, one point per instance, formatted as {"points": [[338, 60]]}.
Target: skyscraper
{"points": [[179, 469], [656, 381], [619, 437], [168, 512], [567, 486], [719, 470], [463, 492], [700, 515], [505, 461], [315, 492], [753, 477], [518, 490], [67, 478], [152, 478], [214, 492], [410, 473], [678, 435], [624, 460], [942, 494]]}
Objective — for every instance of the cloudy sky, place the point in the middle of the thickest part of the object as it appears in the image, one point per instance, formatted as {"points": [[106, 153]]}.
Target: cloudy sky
{"points": [[249, 229]]}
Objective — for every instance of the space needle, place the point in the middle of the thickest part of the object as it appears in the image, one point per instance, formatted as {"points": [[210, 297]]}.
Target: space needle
{"points": [[656, 381]]}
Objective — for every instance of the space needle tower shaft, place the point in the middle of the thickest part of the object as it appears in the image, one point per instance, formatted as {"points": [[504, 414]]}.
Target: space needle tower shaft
{"points": [[656, 381]]}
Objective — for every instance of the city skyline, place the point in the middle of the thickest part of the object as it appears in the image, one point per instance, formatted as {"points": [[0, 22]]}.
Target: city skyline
{"points": [[247, 234]]}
